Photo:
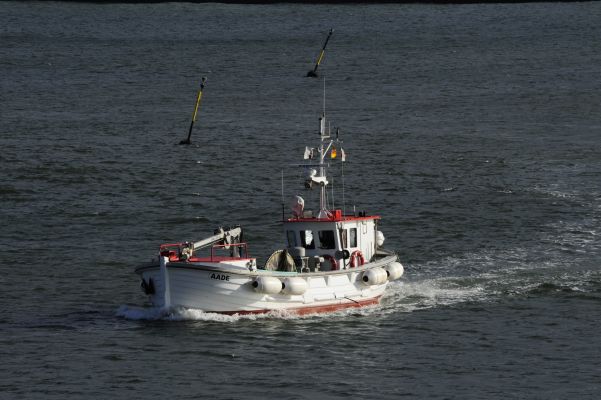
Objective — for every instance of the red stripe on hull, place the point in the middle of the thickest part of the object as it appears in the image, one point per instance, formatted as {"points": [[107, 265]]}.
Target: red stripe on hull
{"points": [[309, 309]]}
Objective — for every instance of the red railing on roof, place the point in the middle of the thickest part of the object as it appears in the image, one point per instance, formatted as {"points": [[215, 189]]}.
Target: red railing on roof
{"points": [[335, 216]]}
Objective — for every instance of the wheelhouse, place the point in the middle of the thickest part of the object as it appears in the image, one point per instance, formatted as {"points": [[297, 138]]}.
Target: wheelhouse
{"points": [[345, 241]]}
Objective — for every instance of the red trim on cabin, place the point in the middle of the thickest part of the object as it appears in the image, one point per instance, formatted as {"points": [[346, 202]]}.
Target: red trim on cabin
{"points": [[310, 309], [336, 216]]}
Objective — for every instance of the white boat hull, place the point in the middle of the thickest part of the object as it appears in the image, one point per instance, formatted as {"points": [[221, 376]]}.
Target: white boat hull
{"points": [[222, 290]]}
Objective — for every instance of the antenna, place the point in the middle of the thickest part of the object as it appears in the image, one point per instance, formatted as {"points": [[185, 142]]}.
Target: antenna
{"points": [[333, 206], [343, 199], [324, 95], [283, 212]]}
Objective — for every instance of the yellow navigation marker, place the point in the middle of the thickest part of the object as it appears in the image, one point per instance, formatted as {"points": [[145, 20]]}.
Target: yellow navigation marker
{"points": [[198, 98], [313, 72]]}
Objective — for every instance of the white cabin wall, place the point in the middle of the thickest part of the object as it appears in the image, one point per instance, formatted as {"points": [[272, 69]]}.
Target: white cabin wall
{"points": [[366, 237]]}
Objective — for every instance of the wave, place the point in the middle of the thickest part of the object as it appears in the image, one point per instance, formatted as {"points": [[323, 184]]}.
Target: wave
{"points": [[577, 236], [171, 314], [189, 314], [429, 293]]}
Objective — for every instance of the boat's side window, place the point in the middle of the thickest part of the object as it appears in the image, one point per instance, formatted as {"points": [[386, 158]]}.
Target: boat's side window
{"points": [[353, 235], [291, 238], [307, 239], [326, 240], [344, 238]]}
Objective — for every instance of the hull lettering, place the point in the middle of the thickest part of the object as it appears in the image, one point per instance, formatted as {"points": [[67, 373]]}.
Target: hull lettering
{"points": [[220, 277]]}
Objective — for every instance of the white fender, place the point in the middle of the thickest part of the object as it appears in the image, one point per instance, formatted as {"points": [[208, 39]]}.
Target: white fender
{"points": [[394, 270], [267, 284], [294, 286], [379, 238], [374, 276]]}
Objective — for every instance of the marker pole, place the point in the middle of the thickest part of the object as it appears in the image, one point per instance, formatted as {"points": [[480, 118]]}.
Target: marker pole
{"points": [[198, 98], [313, 72]]}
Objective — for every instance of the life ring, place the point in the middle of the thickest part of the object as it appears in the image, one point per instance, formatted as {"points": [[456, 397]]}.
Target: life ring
{"points": [[332, 261], [357, 254]]}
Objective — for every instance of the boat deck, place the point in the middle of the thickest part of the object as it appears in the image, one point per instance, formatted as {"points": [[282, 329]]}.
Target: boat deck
{"points": [[216, 259]]}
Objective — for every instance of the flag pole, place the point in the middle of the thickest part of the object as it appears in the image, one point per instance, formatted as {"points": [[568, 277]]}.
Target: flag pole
{"points": [[342, 161]]}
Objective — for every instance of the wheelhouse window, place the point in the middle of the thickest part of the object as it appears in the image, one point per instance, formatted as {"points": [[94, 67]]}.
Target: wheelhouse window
{"points": [[307, 239], [326, 240], [344, 238], [291, 238], [353, 237]]}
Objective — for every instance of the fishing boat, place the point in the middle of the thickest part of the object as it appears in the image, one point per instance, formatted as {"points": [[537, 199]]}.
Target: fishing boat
{"points": [[330, 260]]}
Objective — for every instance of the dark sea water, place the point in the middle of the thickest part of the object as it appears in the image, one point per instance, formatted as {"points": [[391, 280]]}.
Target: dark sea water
{"points": [[473, 130]]}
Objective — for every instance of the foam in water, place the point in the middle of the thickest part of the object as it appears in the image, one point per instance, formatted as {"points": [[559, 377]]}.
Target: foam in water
{"points": [[190, 314], [429, 293], [171, 314], [399, 297]]}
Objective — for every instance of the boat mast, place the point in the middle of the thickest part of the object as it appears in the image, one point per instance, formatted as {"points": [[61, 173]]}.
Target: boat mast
{"points": [[323, 150]]}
